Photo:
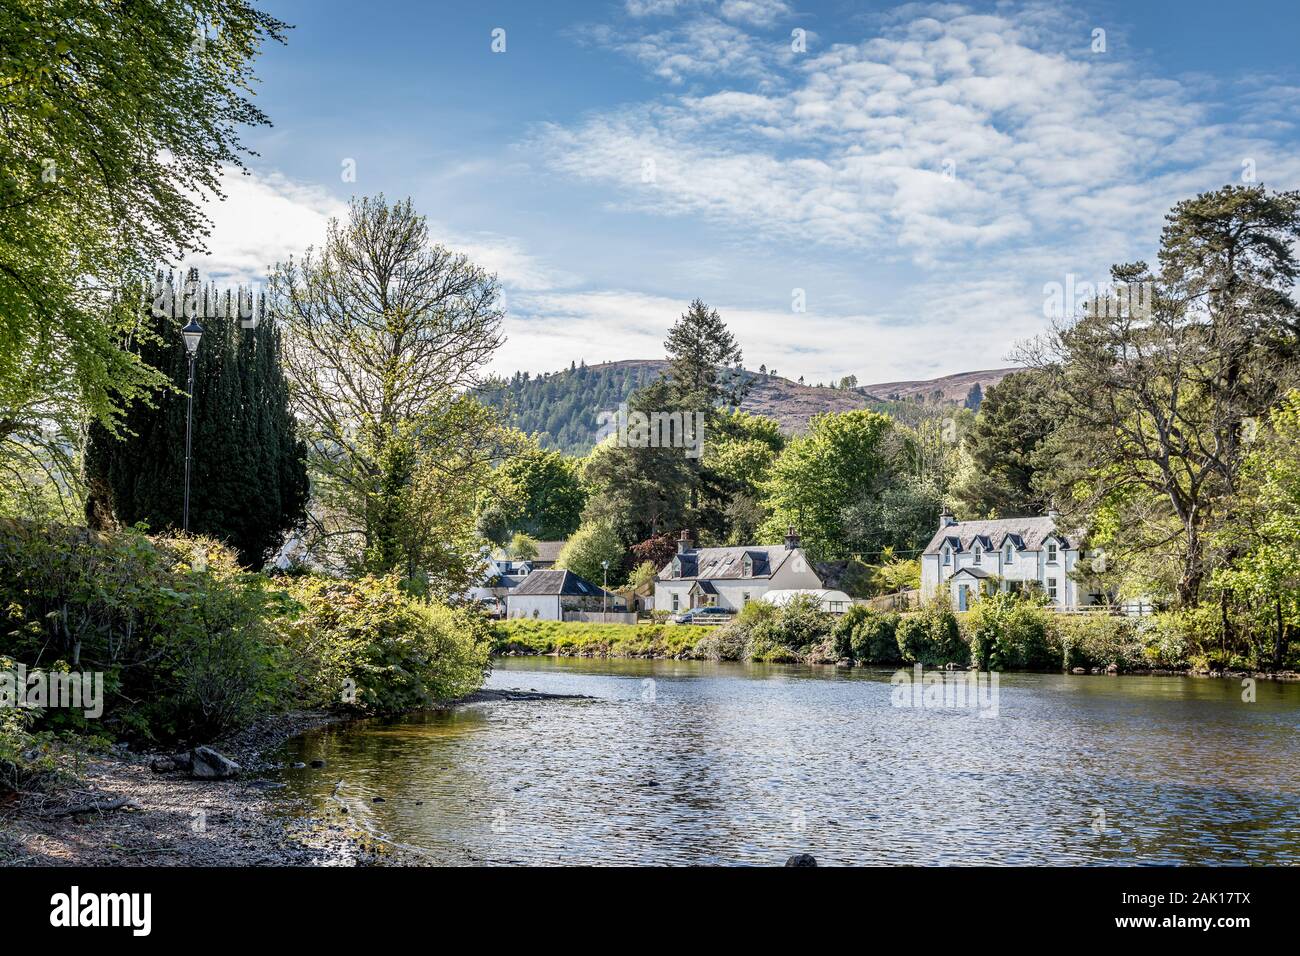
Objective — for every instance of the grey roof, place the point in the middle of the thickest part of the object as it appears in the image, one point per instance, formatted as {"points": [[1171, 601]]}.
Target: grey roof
{"points": [[716, 563], [549, 551], [973, 572], [558, 581], [1028, 533], [706, 587]]}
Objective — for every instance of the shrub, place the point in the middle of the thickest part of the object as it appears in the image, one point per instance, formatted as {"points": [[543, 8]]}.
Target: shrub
{"points": [[867, 636], [1009, 632], [177, 629], [1086, 640], [802, 623], [580, 638], [1172, 638], [367, 645], [931, 637]]}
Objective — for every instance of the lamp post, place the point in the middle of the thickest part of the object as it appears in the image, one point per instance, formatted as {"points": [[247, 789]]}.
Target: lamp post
{"points": [[191, 333], [604, 592]]}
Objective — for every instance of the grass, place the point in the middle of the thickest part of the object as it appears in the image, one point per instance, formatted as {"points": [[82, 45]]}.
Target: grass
{"points": [[580, 639]]}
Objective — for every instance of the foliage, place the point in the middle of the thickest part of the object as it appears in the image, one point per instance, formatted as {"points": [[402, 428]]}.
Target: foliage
{"points": [[535, 492], [386, 340], [521, 547], [591, 544], [178, 632], [1096, 640], [249, 482], [642, 576], [116, 122], [580, 639], [867, 636], [1009, 632], [1000, 451], [367, 645], [932, 637]]}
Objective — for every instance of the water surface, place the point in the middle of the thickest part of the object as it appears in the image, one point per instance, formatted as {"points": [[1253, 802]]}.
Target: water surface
{"points": [[673, 762]]}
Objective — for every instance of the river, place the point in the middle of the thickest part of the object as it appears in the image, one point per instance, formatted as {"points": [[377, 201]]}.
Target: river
{"points": [[676, 762]]}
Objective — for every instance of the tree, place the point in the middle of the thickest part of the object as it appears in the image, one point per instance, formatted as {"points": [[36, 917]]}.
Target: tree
{"points": [[116, 120], [974, 397], [701, 350], [656, 551], [849, 381], [845, 457], [521, 547], [249, 482], [1000, 451], [539, 493], [591, 544], [386, 340], [1264, 531], [1153, 385]]}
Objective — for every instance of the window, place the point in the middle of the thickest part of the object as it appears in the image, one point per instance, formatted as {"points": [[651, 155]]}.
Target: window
{"points": [[677, 601], [744, 598], [837, 606], [979, 554], [947, 555], [1011, 553], [677, 567], [1051, 588], [1051, 552], [747, 567]]}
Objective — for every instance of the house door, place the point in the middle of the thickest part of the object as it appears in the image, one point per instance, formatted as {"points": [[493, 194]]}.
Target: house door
{"points": [[963, 597]]}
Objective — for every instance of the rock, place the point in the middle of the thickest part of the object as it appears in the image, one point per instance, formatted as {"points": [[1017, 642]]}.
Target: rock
{"points": [[802, 859], [378, 800], [1079, 670], [318, 763], [162, 765], [1112, 669], [297, 766], [182, 760], [207, 764]]}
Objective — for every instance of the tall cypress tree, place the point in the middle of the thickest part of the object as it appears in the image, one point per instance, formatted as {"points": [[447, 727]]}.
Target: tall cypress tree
{"points": [[248, 481]]}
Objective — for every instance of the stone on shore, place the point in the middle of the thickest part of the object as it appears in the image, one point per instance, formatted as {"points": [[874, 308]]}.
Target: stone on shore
{"points": [[207, 764], [802, 859]]}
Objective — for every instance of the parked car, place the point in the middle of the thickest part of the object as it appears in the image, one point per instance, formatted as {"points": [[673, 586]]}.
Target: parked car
{"points": [[704, 615]]}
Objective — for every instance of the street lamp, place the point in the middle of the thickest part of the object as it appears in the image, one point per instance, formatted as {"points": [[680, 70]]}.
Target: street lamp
{"points": [[192, 333], [604, 593]]}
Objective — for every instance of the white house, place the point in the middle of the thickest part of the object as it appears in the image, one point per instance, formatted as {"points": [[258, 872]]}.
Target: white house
{"points": [[731, 577], [551, 594], [969, 557], [499, 577]]}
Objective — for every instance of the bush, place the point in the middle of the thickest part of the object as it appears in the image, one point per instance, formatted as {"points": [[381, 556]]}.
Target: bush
{"points": [[867, 636], [1086, 640], [931, 637], [1009, 632], [802, 622], [177, 629], [367, 645], [1190, 635]]}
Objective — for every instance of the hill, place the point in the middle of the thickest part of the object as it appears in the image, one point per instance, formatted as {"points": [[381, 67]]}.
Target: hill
{"points": [[564, 407]]}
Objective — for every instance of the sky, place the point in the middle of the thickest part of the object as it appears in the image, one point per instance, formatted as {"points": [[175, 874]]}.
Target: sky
{"points": [[886, 191]]}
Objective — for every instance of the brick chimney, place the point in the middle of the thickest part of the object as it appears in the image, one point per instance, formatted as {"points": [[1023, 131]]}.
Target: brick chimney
{"points": [[791, 538], [685, 542]]}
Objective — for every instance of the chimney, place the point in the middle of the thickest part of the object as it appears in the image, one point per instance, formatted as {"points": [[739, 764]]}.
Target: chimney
{"points": [[684, 543], [791, 538], [1053, 513], [946, 520]]}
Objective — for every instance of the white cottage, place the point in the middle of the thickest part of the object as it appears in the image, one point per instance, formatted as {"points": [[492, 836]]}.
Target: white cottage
{"points": [[731, 577], [968, 558]]}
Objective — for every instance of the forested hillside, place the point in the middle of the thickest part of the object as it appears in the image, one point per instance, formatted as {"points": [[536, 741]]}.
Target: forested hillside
{"points": [[563, 408]]}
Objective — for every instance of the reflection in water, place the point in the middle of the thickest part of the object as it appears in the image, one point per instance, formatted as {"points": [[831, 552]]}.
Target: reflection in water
{"points": [[676, 762]]}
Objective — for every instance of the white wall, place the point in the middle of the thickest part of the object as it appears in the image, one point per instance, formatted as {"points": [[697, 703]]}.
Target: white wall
{"points": [[547, 606]]}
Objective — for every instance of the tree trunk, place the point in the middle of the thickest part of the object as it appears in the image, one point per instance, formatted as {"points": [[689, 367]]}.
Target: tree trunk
{"points": [[1282, 640]]}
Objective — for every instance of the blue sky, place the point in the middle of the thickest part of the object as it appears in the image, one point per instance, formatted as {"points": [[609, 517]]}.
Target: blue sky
{"points": [[915, 174]]}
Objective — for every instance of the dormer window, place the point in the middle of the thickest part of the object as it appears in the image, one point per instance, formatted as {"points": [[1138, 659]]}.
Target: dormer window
{"points": [[747, 567], [979, 554], [677, 567], [1010, 553], [947, 555], [1051, 552]]}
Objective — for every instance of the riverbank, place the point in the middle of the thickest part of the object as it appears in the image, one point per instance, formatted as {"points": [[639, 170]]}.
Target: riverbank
{"points": [[169, 819]]}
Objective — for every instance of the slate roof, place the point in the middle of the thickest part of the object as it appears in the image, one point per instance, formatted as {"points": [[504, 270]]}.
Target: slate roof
{"points": [[973, 572], [1030, 532], [714, 563], [557, 581]]}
